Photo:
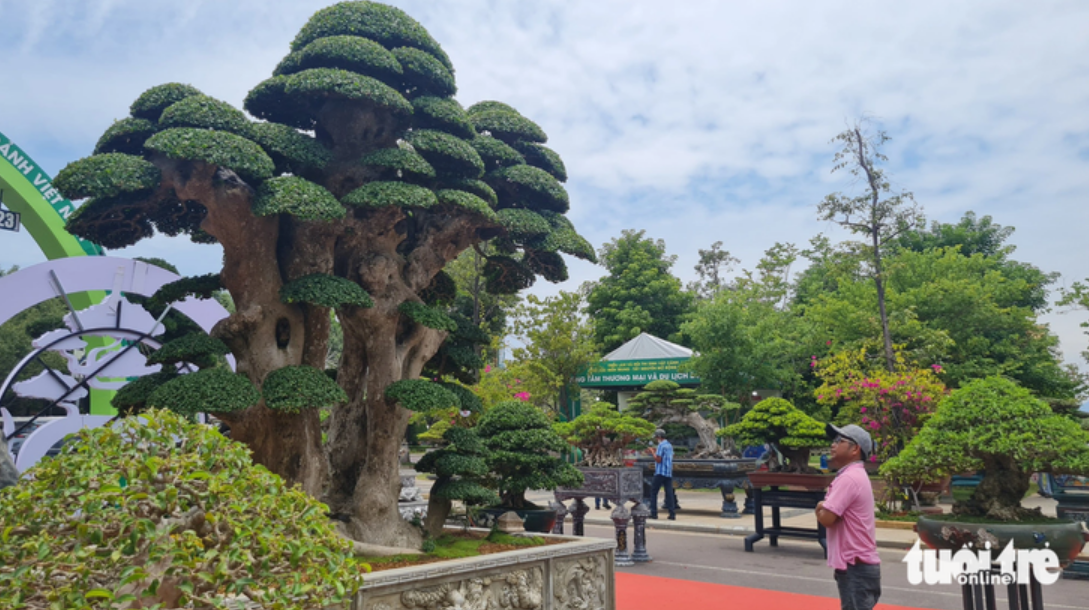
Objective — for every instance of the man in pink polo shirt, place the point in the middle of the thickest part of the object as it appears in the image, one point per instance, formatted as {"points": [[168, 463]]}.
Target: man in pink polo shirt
{"points": [[848, 513]]}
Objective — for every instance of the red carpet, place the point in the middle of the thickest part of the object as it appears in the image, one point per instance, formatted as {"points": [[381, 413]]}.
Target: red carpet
{"points": [[637, 592]]}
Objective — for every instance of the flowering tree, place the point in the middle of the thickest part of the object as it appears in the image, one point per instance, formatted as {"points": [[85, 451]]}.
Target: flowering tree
{"points": [[892, 406]]}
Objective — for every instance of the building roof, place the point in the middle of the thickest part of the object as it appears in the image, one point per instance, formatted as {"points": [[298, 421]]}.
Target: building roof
{"points": [[648, 347]]}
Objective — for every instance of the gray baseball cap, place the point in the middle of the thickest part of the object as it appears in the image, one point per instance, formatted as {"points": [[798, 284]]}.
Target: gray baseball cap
{"points": [[853, 432], [659, 433]]}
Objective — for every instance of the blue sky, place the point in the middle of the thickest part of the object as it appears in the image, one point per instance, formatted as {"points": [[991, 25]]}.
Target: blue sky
{"points": [[699, 121]]}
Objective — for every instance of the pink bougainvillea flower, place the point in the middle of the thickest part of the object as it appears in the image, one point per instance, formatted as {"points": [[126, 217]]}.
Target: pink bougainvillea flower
{"points": [[828, 342], [487, 368], [522, 396], [863, 409]]}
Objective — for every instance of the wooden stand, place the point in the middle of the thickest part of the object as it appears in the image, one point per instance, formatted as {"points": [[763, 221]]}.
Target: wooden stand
{"points": [[776, 498]]}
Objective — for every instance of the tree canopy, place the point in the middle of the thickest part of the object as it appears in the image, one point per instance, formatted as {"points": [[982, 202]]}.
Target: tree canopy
{"points": [[639, 294], [362, 178]]}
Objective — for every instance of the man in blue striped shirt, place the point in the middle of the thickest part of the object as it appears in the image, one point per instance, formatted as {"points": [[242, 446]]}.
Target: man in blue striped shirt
{"points": [[663, 475]]}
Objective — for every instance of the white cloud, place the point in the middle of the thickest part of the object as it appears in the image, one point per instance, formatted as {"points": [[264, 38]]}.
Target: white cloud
{"points": [[698, 121]]}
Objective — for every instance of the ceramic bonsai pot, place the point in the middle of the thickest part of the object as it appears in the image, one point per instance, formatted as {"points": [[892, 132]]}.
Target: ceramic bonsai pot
{"points": [[1065, 538], [534, 519]]}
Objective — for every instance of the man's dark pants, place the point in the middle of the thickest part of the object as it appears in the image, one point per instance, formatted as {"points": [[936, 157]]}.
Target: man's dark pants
{"points": [[859, 586], [670, 500]]}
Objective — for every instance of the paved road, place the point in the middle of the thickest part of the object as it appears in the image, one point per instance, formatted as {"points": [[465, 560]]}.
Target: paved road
{"points": [[798, 567]]}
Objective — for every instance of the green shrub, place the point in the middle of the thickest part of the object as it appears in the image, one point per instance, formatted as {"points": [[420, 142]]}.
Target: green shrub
{"points": [[495, 153], [291, 151], [777, 422], [196, 348], [430, 317], [423, 74], [522, 453], [204, 112], [215, 390], [510, 127], [603, 432], [390, 193], [443, 114], [997, 426], [448, 154], [420, 395], [525, 186], [352, 53], [126, 136], [166, 512]]}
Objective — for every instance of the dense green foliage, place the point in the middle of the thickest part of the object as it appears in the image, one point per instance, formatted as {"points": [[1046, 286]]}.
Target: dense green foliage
{"points": [[543, 157], [466, 201], [639, 294], [298, 197], [421, 395], [448, 154], [384, 24], [522, 451], [204, 112], [603, 433], [216, 148], [325, 291], [291, 151], [199, 286], [214, 390], [423, 74], [385, 194], [166, 512], [508, 126], [557, 343], [126, 136], [530, 187], [495, 152], [408, 162], [996, 426], [459, 467], [151, 103], [427, 316], [106, 175], [352, 53], [196, 348], [294, 388]]}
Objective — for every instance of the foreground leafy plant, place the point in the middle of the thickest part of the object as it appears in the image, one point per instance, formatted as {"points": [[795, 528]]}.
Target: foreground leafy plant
{"points": [[164, 511]]}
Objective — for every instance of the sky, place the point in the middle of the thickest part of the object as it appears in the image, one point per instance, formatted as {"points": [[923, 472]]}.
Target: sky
{"points": [[697, 121]]}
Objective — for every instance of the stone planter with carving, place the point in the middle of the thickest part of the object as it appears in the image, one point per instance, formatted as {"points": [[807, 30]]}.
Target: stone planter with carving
{"points": [[577, 574]]}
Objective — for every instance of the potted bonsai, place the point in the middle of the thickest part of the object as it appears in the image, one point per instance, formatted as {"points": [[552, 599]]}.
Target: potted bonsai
{"points": [[458, 467], [790, 433], [665, 402], [602, 434], [521, 452], [998, 427]]}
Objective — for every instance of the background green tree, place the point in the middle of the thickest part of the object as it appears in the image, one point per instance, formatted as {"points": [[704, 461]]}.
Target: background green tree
{"points": [[711, 271], [876, 213], [557, 343], [639, 294], [364, 179], [458, 466]]}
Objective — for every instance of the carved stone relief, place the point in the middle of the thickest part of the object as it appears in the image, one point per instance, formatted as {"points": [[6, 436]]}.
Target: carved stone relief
{"points": [[579, 584], [516, 590]]}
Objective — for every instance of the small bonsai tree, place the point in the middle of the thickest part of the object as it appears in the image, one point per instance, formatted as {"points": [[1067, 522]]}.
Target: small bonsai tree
{"points": [[459, 468], [997, 426], [166, 513], [603, 432], [789, 431], [521, 453], [665, 402]]}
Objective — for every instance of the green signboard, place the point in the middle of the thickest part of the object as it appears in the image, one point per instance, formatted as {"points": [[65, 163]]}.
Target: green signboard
{"points": [[29, 192], [617, 373]]}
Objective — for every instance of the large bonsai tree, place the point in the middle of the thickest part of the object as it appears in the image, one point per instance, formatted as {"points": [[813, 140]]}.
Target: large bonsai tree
{"points": [[364, 178], [603, 432], [789, 431], [522, 453], [996, 426], [666, 402], [171, 514]]}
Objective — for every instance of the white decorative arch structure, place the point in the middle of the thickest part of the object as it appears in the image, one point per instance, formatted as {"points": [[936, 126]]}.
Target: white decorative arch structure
{"points": [[113, 318]]}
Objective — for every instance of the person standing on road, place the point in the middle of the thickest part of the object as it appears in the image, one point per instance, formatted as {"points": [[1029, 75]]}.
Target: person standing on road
{"points": [[848, 514], [663, 475]]}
